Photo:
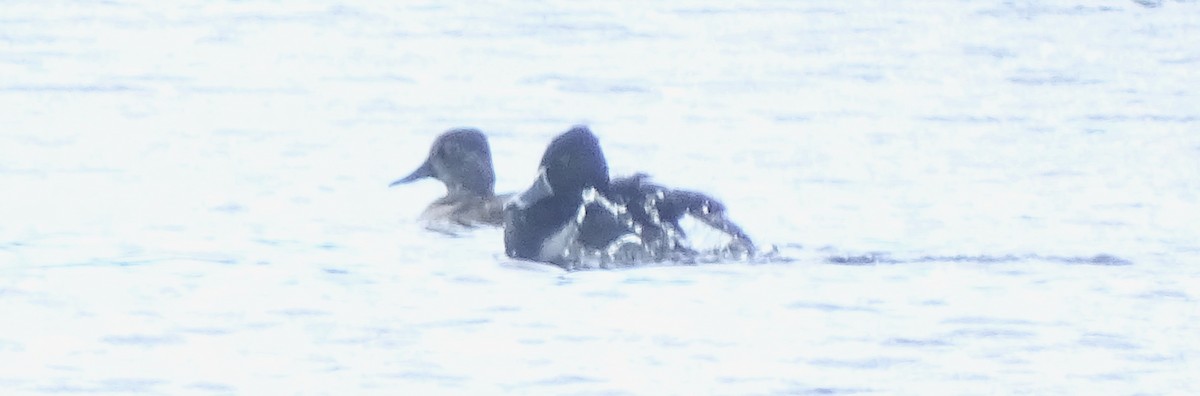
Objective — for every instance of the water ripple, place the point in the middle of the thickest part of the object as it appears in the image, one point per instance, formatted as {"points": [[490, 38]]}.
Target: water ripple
{"points": [[884, 258]]}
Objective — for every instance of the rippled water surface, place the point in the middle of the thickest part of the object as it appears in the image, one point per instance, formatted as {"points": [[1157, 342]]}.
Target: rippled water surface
{"points": [[978, 197]]}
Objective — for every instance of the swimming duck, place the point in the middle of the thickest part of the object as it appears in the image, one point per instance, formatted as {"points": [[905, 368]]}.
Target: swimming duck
{"points": [[573, 216], [462, 160]]}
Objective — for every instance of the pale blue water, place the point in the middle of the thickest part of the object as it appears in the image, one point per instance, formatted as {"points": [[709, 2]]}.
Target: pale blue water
{"points": [[980, 197]]}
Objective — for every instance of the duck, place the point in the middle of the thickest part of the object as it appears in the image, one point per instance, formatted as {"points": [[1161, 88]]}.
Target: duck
{"points": [[575, 217], [461, 159]]}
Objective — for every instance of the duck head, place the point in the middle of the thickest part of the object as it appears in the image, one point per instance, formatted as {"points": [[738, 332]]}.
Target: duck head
{"points": [[462, 160]]}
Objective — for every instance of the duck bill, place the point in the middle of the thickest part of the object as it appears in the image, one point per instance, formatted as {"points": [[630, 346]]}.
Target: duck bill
{"points": [[426, 170], [538, 191]]}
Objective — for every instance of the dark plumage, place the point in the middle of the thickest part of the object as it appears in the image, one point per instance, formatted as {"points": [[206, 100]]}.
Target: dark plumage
{"points": [[573, 213], [568, 210], [656, 211]]}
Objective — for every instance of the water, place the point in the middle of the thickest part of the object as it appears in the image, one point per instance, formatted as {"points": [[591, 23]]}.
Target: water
{"points": [[979, 197]]}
